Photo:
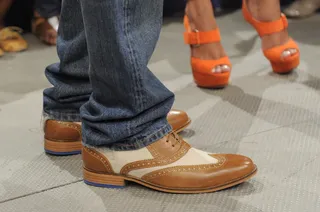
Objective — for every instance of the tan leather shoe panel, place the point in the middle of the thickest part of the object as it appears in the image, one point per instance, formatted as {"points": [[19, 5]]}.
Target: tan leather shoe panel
{"points": [[166, 153], [95, 161], [229, 169], [178, 119], [62, 131], [183, 170]]}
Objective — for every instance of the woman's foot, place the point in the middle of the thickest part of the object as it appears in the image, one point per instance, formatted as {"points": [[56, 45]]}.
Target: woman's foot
{"points": [[267, 11], [201, 18], [45, 29], [302, 8]]}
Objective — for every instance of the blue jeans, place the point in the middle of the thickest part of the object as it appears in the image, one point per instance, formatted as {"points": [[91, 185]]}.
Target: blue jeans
{"points": [[102, 79], [48, 8]]}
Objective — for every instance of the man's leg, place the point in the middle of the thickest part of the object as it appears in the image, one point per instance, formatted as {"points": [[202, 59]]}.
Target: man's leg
{"points": [[71, 87], [129, 105], [70, 80], [126, 133]]}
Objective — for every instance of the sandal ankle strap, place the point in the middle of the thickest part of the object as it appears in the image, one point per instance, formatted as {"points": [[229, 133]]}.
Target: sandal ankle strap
{"points": [[265, 28], [197, 37]]}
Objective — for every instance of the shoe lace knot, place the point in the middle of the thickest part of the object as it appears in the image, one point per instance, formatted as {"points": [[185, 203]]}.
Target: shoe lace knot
{"points": [[174, 138]]}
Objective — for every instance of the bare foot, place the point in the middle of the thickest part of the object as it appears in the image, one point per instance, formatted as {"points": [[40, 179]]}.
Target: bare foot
{"points": [[44, 30]]}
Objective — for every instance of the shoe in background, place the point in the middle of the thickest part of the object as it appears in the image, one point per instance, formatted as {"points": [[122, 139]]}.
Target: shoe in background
{"points": [[302, 8]]}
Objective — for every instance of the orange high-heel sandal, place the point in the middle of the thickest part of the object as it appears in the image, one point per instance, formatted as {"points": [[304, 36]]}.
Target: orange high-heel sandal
{"points": [[204, 71], [280, 64]]}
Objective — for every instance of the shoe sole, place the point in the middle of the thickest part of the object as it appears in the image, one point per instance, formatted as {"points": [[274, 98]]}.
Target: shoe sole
{"points": [[116, 181], [74, 147], [62, 148], [216, 81]]}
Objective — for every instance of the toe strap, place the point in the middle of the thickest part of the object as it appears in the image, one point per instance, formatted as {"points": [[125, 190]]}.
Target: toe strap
{"points": [[205, 66], [275, 53]]}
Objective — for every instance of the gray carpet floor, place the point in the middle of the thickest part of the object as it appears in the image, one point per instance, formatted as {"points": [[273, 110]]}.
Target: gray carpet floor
{"points": [[273, 119]]}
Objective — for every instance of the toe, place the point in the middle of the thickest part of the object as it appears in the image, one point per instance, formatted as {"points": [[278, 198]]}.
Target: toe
{"points": [[225, 68]]}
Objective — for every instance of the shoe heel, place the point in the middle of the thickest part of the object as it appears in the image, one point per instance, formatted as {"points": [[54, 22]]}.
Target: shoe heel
{"points": [[103, 180], [62, 148]]}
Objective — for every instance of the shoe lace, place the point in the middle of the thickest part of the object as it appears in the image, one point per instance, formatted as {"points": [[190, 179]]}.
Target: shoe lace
{"points": [[11, 32], [174, 138]]}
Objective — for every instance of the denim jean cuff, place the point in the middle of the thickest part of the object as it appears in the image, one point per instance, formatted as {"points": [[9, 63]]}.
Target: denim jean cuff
{"points": [[138, 143], [72, 117], [47, 14]]}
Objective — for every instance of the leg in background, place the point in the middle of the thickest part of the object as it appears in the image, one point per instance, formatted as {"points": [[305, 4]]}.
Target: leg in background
{"points": [[211, 67], [48, 8], [4, 7], [46, 20], [10, 37], [302, 8]]}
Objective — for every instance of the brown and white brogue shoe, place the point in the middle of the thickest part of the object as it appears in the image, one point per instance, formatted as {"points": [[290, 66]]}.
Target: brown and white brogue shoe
{"points": [[64, 138], [169, 165]]}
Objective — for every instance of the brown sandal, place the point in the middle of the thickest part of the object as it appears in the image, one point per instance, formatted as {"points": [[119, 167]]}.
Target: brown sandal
{"points": [[11, 40], [45, 31]]}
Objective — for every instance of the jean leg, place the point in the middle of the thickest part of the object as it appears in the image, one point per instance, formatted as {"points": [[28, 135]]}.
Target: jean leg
{"points": [[129, 105], [70, 80], [48, 8]]}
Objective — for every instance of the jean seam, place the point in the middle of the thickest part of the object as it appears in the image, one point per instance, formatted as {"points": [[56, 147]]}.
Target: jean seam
{"points": [[132, 58]]}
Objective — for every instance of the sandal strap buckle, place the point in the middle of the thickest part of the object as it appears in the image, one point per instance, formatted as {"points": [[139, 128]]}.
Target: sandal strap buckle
{"points": [[196, 37]]}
